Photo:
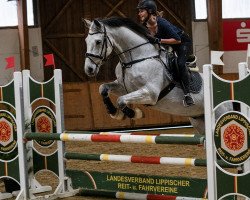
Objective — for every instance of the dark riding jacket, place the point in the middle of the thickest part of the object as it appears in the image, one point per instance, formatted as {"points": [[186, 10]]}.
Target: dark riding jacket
{"points": [[166, 30]]}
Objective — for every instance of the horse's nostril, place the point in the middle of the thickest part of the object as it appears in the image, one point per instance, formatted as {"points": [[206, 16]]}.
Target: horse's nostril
{"points": [[90, 69]]}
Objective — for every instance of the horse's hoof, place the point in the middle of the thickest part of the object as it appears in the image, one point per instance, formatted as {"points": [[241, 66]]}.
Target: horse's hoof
{"points": [[119, 115], [138, 113]]}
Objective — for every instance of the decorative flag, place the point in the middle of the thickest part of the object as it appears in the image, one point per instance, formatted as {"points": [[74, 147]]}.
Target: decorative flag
{"points": [[10, 62], [216, 57], [49, 60]]}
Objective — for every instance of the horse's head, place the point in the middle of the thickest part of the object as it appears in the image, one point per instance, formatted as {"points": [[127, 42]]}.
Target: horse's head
{"points": [[99, 47]]}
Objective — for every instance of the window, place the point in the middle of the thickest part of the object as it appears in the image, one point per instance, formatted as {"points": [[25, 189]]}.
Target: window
{"points": [[230, 9], [235, 9], [200, 9], [8, 13]]}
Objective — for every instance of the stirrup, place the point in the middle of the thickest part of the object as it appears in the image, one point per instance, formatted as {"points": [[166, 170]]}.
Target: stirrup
{"points": [[191, 61], [188, 100]]}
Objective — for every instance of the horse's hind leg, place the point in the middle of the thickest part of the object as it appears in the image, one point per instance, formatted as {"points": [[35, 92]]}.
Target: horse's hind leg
{"points": [[198, 123]]}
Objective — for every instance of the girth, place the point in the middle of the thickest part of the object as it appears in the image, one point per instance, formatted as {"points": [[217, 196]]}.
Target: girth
{"points": [[166, 90], [124, 65]]}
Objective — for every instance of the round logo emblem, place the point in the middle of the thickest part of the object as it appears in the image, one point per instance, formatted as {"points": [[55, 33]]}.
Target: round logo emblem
{"points": [[8, 132], [232, 138], [43, 124], [5, 131], [43, 121]]}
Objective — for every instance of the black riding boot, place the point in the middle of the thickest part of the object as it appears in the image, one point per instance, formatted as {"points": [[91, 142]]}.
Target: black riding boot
{"points": [[183, 53], [188, 99]]}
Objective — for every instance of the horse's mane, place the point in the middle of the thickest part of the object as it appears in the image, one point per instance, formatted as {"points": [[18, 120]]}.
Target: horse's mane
{"points": [[119, 22]]}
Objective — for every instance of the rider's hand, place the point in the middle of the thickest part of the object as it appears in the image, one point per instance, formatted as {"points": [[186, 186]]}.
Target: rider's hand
{"points": [[157, 41], [154, 40]]}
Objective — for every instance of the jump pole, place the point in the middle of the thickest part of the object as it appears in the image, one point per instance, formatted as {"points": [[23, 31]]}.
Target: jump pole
{"points": [[137, 196], [134, 133], [142, 159], [199, 140]]}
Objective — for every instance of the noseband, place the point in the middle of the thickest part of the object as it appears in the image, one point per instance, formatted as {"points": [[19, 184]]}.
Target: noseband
{"points": [[102, 57]]}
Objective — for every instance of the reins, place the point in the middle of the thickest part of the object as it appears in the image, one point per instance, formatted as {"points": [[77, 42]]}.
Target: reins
{"points": [[118, 54]]}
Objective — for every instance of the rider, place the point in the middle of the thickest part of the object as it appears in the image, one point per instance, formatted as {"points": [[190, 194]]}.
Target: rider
{"points": [[166, 33]]}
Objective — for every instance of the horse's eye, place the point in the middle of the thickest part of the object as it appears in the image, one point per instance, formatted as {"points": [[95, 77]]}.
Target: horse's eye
{"points": [[98, 42]]}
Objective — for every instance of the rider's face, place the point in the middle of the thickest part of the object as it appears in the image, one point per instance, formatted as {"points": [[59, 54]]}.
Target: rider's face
{"points": [[143, 15]]}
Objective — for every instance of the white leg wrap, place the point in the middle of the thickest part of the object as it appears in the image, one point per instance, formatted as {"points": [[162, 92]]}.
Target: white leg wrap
{"points": [[119, 115], [138, 113]]}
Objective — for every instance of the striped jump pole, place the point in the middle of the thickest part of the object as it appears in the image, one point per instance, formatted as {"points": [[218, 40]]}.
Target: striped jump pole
{"points": [[135, 196], [197, 140], [135, 133], [142, 159], [156, 134]]}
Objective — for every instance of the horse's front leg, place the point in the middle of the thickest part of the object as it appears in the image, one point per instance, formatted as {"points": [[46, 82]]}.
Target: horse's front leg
{"points": [[141, 96], [115, 88]]}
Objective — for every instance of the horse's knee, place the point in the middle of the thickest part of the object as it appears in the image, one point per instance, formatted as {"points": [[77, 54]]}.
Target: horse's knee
{"points": [[121, 103], [103, 90], [199, 124]]}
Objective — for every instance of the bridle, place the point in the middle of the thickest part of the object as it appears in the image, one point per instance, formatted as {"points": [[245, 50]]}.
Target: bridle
{"points": [[102, 57]]}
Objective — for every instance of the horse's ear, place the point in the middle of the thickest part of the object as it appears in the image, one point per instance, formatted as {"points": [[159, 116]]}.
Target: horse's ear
{"points": [[86, 22], [160, 13], [97, 23]]}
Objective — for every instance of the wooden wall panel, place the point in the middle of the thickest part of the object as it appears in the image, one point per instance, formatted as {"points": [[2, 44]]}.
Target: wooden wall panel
{"points": [[178, 12], [77, 107]]}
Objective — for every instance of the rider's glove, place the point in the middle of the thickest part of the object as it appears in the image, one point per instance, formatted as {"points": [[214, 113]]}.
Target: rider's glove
{"points": [[154, 40], [157, 41]]}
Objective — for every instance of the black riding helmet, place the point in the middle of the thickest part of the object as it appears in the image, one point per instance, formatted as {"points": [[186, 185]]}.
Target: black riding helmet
{"points": [[148, 5]]}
